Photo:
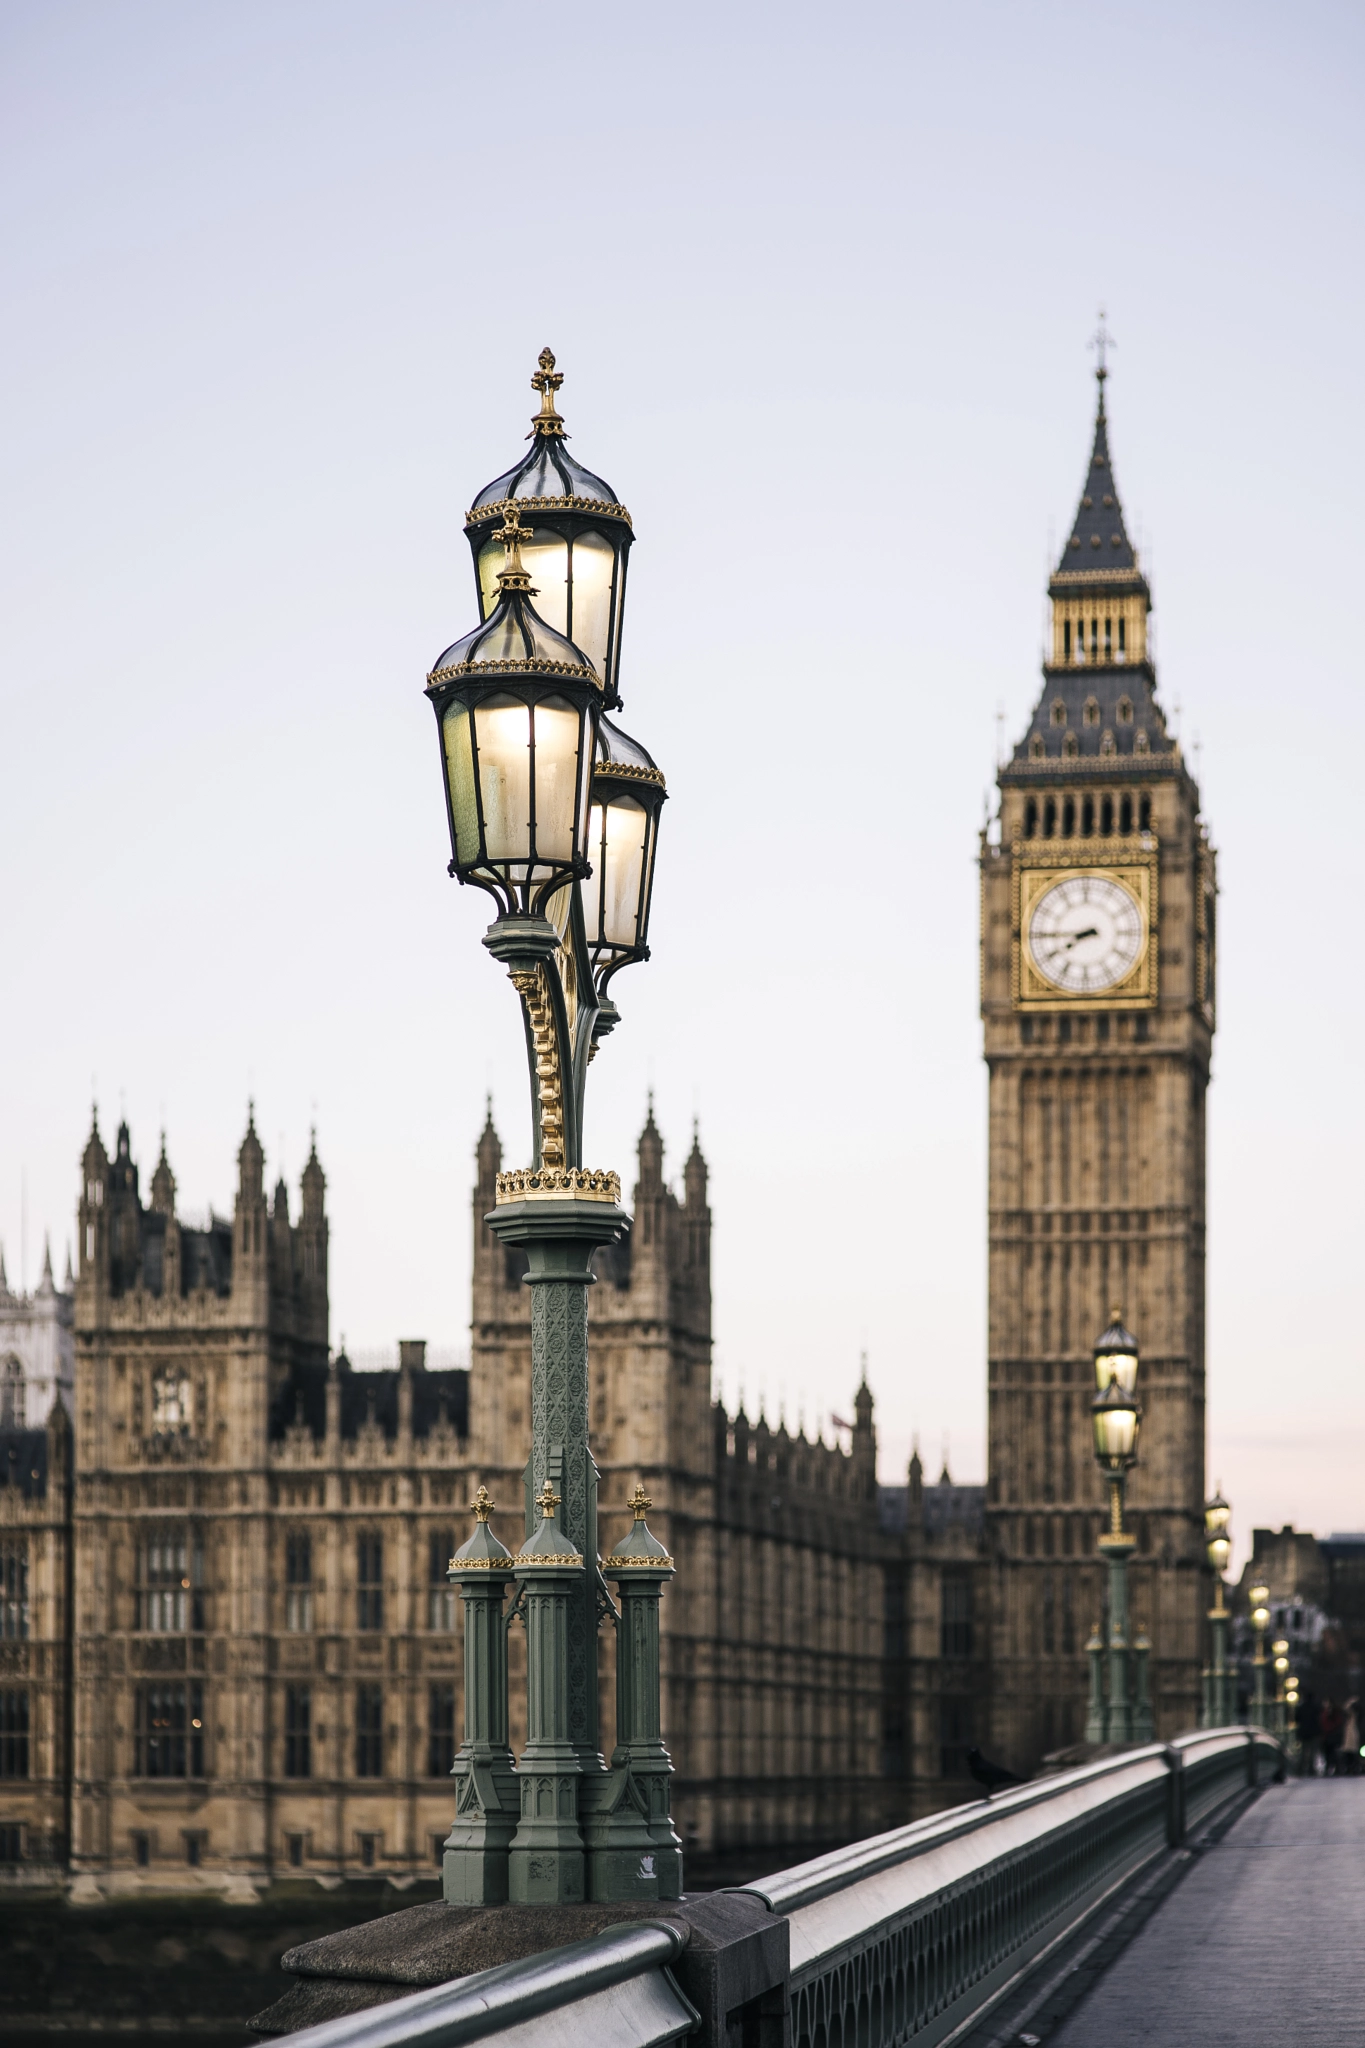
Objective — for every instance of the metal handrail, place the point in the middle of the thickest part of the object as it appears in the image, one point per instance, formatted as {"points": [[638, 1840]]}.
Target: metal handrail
{"points": [[914, 1935], [632, 1958]]}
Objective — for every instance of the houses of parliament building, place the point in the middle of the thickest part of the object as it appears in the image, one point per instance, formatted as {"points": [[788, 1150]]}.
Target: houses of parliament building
{"points": [[229, 1651]]}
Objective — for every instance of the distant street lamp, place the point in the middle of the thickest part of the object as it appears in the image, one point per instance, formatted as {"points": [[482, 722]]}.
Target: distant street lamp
{"points": [[1115, 1416], [1260, 1622], [1219, 1705], [554, 811], [1279, 1650]]}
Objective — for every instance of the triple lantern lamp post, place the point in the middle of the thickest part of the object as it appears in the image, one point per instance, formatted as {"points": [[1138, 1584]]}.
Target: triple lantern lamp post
{"points": [[554, 811], [1123, 1714], [1220, 1680]]}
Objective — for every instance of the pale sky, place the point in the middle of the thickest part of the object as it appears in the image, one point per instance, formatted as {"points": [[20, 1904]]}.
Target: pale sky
{"points": [[820, 281]]}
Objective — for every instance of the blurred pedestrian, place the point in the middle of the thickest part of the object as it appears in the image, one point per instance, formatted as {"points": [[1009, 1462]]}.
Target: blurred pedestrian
{"points": [[1331, 1725], [1306, 1721], [1348, 1764]]}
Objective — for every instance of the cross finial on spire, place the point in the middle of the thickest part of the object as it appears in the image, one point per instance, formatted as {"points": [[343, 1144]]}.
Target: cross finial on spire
{"points": [[1102, 341], [547, 380]]}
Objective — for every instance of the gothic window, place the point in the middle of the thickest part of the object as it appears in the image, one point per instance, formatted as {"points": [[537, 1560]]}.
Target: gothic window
{"points": [[1031, 818], [440, 1730], [1071, 746], [1107, 744], [1088, 816], [1094, 639], [1049, 1616], [1036, 747], [1107, 816], [1123, 638], [955, 1615], [1145, 814], [1091, 713], [298, 1581], [369, 1731], [1049, 817], [170, 1593], [171, 1402], [1126, 815], [169, 1731], [1140, 741], [1058, 711], [13, 1404], [1066, 640], [14, 1733], [1069, 818], [1125, 710], [14, 1589], [440, 1592], [369, 1584], [298, 1731], [1109, 639]]}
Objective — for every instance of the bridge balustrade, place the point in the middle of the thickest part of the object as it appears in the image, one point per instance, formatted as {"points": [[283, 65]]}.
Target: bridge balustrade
{"points": [[909, 1937]]}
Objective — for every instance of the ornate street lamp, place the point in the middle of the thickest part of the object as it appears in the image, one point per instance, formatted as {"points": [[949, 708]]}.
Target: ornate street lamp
{"points": [[1259, 1595], [554, 812], [1279, 1651], [1219, 1705], [582, 538], [1115, 1416]]}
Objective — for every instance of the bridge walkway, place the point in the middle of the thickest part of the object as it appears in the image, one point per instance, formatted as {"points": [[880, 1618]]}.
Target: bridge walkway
{"points": [[1263, 1941]]}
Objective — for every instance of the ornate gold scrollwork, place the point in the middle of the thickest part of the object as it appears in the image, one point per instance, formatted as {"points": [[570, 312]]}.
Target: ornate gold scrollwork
{"points": [[532, 986]]}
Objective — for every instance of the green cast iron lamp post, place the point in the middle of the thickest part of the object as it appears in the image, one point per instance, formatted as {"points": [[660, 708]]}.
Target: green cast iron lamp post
{"points": [[1126, 1715], [1219, 1704], [1260, 1621], [554, 812]]}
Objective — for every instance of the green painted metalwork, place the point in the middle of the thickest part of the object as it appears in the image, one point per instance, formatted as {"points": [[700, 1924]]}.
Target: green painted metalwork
{"points": [[487, 1796]]}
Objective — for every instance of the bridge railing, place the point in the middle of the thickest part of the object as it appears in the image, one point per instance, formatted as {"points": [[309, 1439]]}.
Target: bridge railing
{"points": [[909, 1937], [913, 1936]]}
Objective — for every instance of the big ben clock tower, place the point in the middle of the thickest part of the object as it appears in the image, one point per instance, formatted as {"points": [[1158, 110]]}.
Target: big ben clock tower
{"points": [[1097, 999]]}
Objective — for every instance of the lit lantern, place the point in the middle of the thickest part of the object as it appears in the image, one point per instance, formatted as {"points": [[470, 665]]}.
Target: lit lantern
{"points": [[628, 794], [582, 536], [516, 706]]}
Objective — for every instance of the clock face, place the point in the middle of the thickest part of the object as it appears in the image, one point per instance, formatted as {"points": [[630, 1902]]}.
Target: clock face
{"points": [[1085, 934]]}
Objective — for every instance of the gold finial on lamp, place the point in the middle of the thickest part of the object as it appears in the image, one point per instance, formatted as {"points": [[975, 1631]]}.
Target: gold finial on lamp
{"points": [[547, 381]]}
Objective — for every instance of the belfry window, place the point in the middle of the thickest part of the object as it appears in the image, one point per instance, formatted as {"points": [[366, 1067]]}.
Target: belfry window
{"points": [[1069, 818], [1058, 711], [1109, 639], [1145, 814], [1094, 639], [298, 1576], [1031, 818], [1107, 816], [1123, 638], [1091, 713], [1088, 816], [1125, 710], [1066, 640], [1126, 815], [1050, 818]]}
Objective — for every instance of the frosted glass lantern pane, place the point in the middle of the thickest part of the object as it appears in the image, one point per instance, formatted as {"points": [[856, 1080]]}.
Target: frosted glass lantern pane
{"points": [[503, 730], [593, 563], [547, 561], [557, 728], [1115, 1431], [459, 750], [492, 558], [1115, 1365], [617, 840]]}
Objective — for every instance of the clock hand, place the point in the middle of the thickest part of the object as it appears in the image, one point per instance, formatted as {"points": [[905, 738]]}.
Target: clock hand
{"points": [[1076, 937]]}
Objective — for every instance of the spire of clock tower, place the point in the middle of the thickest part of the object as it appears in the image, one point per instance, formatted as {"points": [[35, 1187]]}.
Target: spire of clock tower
{"points": [[1099, 685]]}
